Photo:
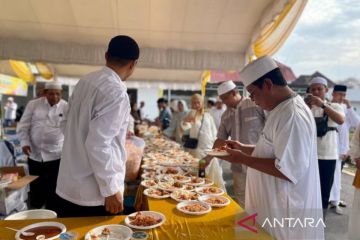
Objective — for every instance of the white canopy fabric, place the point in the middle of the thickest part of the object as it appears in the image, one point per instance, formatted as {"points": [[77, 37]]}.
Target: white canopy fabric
{"points": [[178, 38]]}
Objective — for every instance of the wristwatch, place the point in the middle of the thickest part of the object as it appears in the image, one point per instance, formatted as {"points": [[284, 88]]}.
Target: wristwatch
{"points": [[323, 106]]}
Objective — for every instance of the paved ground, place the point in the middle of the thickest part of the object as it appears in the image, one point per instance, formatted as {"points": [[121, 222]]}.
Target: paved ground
{"points": [[336, 225]]}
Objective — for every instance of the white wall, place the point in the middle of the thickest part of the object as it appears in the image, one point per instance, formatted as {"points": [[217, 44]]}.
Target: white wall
{"points": [[149, 96]]}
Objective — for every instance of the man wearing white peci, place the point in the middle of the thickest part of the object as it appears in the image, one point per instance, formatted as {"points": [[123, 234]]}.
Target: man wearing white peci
{"points": [[242, 121], [282, 174]]}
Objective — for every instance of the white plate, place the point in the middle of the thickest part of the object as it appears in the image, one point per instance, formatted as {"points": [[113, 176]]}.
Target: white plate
{"points": [[42, 224], [163, 170], [185, 180], [192, 190], [144, 183], [174, 194], [186, 203], [196, 184], [205, 197], [4, 183], [165, 178], [217, 153], [199, 190], [210, 183], [146, 177], [32, 214], [147, 213], [149, 167], [163, 186], [146, 192], [117, 232]]}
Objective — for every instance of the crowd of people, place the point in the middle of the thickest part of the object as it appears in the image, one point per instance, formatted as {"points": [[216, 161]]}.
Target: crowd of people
{"points": [[286, 151]]}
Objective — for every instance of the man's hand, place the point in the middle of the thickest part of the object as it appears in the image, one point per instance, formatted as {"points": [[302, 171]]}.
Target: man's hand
{"points": [[236, 156], [314, 100], [208, 159], [26, 150], [357, 163], [114, 203], [343, 157], [233, 144]]}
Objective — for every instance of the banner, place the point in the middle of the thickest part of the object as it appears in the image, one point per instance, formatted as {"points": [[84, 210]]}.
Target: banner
{"points": [[13, 86]]}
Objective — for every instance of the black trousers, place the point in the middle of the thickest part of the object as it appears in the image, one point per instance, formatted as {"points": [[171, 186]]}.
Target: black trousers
{"points": [[65, 208], [326, 170], [42, 190]]}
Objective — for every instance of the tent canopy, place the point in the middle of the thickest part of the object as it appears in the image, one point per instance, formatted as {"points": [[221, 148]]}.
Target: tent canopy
{"points": [[178, 38]]}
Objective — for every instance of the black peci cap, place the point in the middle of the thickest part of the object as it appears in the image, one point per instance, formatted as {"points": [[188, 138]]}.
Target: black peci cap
{"points": [[123, 47], [340, 88]]}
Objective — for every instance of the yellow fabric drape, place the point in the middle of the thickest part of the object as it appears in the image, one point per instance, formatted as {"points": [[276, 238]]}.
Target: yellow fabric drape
{"points": [[204, 80], [22, 70], [274, 34], [44, 70]]}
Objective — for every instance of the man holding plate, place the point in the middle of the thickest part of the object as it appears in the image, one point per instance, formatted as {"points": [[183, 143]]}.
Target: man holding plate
{"points": [[282, 176], [242, 121]]}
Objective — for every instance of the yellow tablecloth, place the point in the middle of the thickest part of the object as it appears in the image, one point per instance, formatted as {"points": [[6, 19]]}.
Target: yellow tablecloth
{"points": [[79, 225], [220, 223]]}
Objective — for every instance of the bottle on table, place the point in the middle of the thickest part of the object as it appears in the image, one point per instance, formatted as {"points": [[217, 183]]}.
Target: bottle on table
{"points": [[202, 164]]}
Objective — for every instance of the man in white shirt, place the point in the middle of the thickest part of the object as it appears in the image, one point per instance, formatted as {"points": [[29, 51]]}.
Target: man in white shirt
{"points": [[242, 121], [217, 111], [327, 116], [351, 121], [10, 112], [282, 175], [92, 168], [42, 140]]}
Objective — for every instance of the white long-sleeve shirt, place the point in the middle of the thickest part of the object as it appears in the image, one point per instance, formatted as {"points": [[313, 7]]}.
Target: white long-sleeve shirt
{"points": [[93, 160], [39, 128]]}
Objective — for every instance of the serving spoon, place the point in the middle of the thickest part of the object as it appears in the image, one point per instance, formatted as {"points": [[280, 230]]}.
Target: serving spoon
{"points": [[26, 234]]}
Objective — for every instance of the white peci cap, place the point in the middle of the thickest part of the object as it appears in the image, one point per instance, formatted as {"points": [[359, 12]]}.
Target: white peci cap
{"points": [[53, 85], [319, 80], [225, 87], [256, 69], [11, 99]]}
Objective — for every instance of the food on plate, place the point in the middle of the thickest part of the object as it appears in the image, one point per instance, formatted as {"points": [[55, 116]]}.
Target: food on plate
{"points": [[148, 175], [105, 232], [149, 182], [170, 170], [170, 186], [47, 231], [196, 207], [180, 195], [181, 178], [196, 180], [143, 220], [221, 149], [210, 190], [189, 188], [216, 200], [157, 192]]}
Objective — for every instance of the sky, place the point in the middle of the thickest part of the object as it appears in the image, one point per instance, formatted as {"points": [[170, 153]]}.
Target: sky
{"points": [[326, 39]]}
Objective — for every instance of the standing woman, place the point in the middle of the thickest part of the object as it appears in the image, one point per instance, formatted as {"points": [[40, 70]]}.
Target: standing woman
{"points": [[198, 125], [354, 231]]}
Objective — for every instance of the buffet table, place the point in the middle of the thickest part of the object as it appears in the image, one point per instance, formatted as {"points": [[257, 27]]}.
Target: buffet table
{"points": [[219, 223]]}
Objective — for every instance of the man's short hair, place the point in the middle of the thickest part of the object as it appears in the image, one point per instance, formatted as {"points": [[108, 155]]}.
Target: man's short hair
{"points": [[274, 75], [122, 50], [161, 100]]}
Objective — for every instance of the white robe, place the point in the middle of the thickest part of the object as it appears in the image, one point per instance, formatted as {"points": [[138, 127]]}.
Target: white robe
{"points": [[351, 121], [354, 229], [289, 136]]}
